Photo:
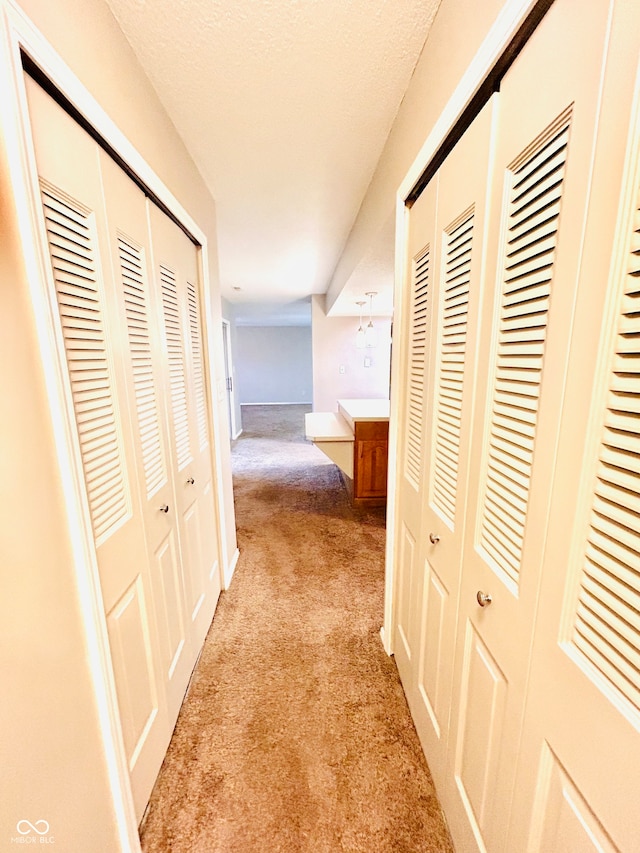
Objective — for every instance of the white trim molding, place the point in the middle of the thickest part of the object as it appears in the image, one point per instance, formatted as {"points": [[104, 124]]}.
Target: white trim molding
{"points": [[230, 569]]}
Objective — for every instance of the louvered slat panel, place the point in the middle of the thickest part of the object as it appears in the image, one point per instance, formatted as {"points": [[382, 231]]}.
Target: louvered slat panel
{"points": [[453, 340], [134, 288], [177, 382], [197, 363], [78, 290], [417, 361], [607, 620], [532, 224]]}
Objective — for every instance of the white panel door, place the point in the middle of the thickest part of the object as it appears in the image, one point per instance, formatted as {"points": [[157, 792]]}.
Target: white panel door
{"points": [[68, 165], [175, 262], [457, 289], [579, 773], [143, 355], [547, 116], [417, 358]]}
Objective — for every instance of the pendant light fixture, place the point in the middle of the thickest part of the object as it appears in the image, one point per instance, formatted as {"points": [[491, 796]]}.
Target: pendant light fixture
{"points": [[360, 334], [370, 334]]}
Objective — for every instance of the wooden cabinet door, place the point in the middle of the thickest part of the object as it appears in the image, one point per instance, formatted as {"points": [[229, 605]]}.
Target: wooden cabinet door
{"points": [[371, 452]]}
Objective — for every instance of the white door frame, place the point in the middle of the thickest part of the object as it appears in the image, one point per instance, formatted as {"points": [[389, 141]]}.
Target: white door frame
{"points": [[231, 391], [17, 33], [512, 16]]}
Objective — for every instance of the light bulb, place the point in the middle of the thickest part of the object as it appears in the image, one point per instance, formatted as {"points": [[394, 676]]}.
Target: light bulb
{"points": [[360, 334], [370, 336]]}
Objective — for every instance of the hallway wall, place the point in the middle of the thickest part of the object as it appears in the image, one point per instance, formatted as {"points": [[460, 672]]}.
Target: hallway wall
{"points": [[274, 364], [334, 347], [458, 30], [56, 762]]}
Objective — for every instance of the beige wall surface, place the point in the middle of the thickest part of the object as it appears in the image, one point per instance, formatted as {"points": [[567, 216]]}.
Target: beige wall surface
{"points": [[334, 345], [458, 30], [54, 762]]}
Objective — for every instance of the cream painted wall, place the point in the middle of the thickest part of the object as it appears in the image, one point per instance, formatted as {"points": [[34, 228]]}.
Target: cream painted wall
{"points": [[55, 761], [458, 30], [334, 345]]}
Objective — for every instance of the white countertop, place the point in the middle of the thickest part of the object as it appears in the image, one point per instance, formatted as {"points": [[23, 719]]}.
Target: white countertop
{"points": [[364, 410], [327, 426]]}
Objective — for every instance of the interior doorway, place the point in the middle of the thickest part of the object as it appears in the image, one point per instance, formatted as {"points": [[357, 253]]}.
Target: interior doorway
{"points": [[228, 377]]}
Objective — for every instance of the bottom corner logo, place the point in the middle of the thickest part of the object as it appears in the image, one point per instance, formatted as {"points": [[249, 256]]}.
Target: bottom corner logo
{"points": [[40, 827]]}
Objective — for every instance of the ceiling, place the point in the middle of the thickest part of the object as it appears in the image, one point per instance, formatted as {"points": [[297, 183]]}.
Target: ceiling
{"points": [[285, 107]]}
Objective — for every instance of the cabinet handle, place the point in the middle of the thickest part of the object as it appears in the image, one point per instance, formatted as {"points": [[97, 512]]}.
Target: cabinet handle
{"points": [[483, 598], [164, 508], [190, 481], [434, 538]]}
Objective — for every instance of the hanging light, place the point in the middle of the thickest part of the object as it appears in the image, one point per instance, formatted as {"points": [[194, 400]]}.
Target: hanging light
{"points": [[370, 334], [360, 334]]}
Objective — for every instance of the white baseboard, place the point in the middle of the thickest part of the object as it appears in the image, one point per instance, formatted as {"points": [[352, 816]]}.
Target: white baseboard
{"points": [[228, 573], [288, 403], [237, 435], [383, 637]]}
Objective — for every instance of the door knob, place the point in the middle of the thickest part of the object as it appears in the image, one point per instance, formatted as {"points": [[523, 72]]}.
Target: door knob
{"points": [[483, 598], [190, 481], [164, 508], [434, 538]]}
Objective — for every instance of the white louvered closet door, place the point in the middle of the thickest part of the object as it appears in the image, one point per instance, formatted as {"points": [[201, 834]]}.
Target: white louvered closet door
{"points": [[579, 773], [68, 164], [547, 116], [456, 295], [143, 355], [180, 312], [417, 358]]}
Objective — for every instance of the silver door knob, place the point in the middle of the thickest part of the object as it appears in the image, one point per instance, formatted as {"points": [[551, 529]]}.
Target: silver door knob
{"points": [[190, 481], [164, 508], [434, 538], [483, 598]]}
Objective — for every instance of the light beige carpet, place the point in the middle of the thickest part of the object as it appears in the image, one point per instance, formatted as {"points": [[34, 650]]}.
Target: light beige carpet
{"points": [[295, 736]]}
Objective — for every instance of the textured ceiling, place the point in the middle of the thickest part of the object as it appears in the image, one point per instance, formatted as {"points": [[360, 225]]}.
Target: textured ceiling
{"points": [[285, 106]]}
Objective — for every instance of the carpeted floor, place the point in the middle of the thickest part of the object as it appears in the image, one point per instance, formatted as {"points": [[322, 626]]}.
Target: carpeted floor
{"points": [[295, 736]]}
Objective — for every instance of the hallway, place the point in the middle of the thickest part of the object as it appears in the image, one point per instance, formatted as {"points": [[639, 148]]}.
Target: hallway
{"points": [[295, 735]]}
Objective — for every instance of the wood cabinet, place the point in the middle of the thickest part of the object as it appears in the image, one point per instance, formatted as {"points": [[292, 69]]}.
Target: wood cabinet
{"points": [[370, 462], [368, 421], [356, 438]]}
